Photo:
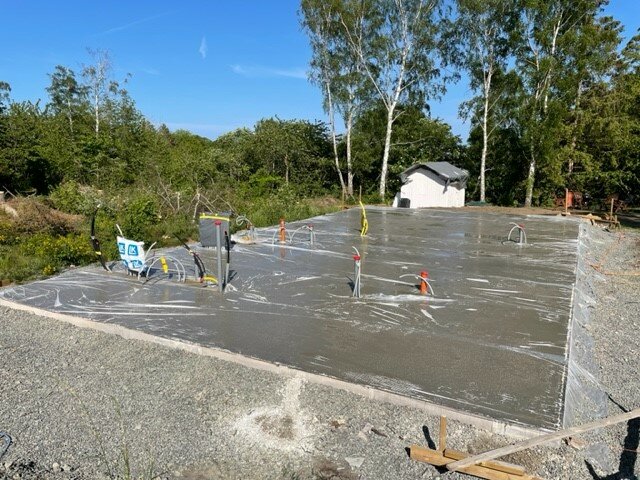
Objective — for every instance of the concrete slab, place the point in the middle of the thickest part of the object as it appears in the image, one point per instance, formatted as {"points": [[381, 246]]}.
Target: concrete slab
{"points": [[492, 341]]}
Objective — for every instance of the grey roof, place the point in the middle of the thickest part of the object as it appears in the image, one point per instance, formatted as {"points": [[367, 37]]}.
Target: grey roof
{"points": [[447, 172]]}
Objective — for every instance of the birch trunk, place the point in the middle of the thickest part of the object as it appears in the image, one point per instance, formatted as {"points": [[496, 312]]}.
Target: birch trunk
{"points": [[530, 177], [485, 133], [349, 125], [332, 124], [385, 155]]}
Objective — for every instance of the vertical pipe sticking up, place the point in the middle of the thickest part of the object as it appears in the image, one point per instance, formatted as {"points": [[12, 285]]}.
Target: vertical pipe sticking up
{"points": [[356, 275], [423, 282], [521, 238], [218, 224], [312, 234], [227, 245]]}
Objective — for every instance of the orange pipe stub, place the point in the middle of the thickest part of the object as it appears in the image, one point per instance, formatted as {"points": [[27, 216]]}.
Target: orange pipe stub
{"points": [[423, 282]]}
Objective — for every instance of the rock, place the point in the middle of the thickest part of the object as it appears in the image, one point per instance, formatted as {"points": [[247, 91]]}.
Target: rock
{"points": [[600, 457], [363, 434], [576, 443], [355, 462], [56, 467], [66, 468]]}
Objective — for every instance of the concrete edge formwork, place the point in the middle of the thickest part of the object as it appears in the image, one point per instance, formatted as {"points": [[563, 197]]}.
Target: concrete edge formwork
{"points": [[584, 398], [487, 424]]}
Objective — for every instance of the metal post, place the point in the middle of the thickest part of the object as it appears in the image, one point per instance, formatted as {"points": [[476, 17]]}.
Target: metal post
{"points": [[356, 276], [521, 235], [218, 224]]}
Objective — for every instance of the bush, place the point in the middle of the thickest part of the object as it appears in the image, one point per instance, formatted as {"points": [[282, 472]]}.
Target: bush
{"points": [[60, 251], [139, 216], [35, 216], [71, 197]]}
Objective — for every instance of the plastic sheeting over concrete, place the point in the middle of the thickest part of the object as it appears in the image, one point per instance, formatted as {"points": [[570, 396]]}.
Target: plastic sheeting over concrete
{"points": [[491, 342]]}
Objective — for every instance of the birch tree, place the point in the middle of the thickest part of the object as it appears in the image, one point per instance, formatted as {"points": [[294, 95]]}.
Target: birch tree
{"points": [[97, 77], [336, 69], [481, 45], [546, 28], [591, 56], [319, 20], [396, 44]]}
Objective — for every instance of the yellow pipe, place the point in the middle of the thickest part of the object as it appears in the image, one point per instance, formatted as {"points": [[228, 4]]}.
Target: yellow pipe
{"points": [[364, 223]]}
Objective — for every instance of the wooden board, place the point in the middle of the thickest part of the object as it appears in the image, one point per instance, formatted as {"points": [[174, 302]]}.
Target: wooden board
{"points": [[532, 442], [436, 458]]}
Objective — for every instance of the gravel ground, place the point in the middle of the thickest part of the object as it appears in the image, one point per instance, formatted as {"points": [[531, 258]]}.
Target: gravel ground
{"points": [[78, 403]]}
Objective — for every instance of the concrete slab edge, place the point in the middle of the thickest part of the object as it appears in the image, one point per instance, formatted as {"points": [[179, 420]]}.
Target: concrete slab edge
{"points": [[487, 424], [584, 397]]}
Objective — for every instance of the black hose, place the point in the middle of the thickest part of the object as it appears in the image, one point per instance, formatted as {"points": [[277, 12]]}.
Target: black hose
{"points": [[227, 242], [202, 272], [95, 243]]}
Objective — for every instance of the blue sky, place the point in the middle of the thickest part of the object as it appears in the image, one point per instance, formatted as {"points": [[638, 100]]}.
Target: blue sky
{"points": [[205, 66]]}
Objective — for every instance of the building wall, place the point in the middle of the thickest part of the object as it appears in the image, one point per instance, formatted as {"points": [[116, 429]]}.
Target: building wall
{"points": [[426, 189]]}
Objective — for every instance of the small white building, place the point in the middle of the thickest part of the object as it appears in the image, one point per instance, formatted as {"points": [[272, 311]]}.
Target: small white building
{"points": [[432, 184]]}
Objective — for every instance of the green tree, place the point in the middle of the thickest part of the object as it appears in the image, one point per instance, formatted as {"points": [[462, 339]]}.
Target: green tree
{"points": [[66, 95], [481, 44], [22, 165], [547, 33], [416, 138], [397, 45], [291, 149], [5, 90], [336, 68]]}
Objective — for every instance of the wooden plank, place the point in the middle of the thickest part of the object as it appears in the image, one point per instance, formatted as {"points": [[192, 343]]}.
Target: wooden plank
{"points": [[442, 442], [493, 465], [550, 437], [435, 458]]}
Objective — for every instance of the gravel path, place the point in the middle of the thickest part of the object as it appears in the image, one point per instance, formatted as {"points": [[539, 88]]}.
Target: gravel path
{"points": [[77, 403]]}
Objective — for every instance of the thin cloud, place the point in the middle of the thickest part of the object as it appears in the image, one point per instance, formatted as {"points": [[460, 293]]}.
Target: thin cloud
{"points": [[151, 71], [203, 48], [133, 24], [260, 71]]}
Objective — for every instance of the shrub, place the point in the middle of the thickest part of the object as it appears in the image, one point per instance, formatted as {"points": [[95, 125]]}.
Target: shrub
{"points": [[72, 197], [58, 252], [140, 214]]}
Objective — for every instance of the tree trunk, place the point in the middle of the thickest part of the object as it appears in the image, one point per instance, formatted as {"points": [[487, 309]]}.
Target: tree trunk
{"points": [[97, 111], [332, 124], [530, 177], [485, 134], [69, 116], [385, 155], [349, 125]]}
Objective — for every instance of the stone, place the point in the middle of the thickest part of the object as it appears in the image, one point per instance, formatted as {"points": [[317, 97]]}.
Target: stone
{"points": [[355, 462], [576, 443]]}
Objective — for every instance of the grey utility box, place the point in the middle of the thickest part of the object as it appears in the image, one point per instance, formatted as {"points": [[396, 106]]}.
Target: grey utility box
{"points": [[207, 228]]}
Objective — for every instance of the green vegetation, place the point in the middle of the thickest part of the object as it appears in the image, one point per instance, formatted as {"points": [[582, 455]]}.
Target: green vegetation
{"points": [[554, 105]]}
